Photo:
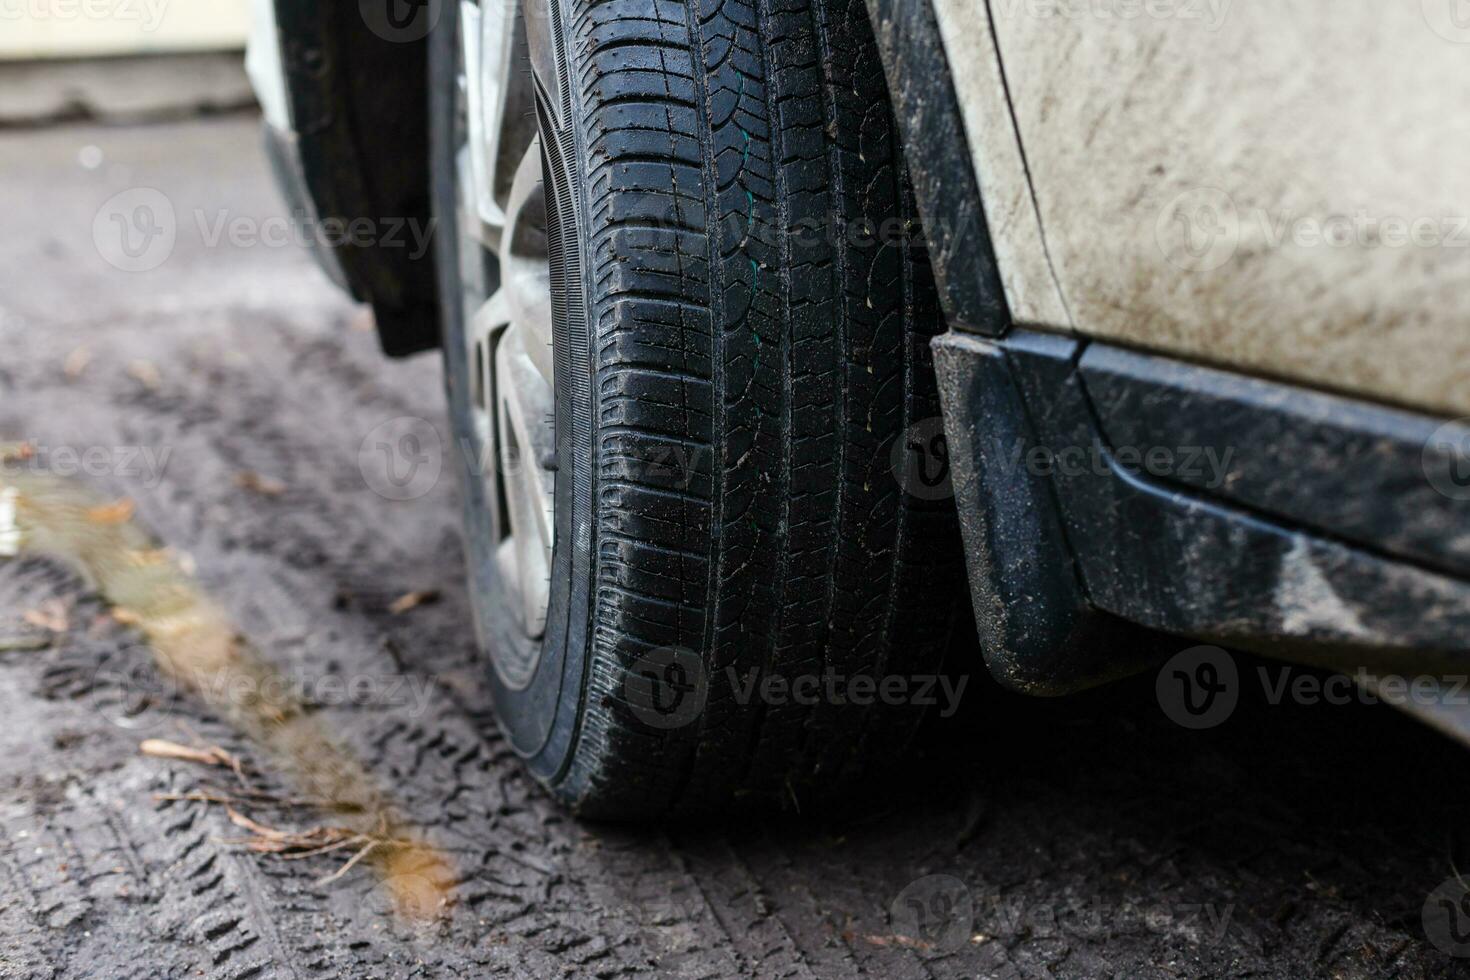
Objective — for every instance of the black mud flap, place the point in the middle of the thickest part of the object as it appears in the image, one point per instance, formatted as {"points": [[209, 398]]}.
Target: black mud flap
{"points": [[1098, 484]]}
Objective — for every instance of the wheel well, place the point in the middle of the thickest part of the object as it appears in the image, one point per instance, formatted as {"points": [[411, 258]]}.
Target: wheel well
{"points": [[359, 111]]}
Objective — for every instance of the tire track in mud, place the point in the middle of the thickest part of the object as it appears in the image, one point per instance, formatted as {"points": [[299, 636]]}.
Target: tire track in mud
{"points": [[461, 784], [196, 647]]}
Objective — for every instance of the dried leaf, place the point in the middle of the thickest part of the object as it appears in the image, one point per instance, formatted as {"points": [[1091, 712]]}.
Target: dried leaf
{"points": [[51, 616], [146, 374], [149, 558], [212, 756], [77, 362], [372, 846], [266, 486], [245, 823], [116, 513], [22, 644], [903, 942], [413, 600]]}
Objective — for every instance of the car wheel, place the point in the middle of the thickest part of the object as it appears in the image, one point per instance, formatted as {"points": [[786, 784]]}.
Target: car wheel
{"points": [[684, 326]]}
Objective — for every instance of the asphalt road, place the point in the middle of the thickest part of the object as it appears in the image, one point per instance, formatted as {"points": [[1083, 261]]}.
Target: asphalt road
{"points": [[1083, 838]]}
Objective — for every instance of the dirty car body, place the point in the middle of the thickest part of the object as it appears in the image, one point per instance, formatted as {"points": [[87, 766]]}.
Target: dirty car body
{"points": [[1237, 389]]}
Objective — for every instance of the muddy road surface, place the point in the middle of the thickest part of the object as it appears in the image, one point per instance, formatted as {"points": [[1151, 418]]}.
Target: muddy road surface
{"points": [[220, 400]]}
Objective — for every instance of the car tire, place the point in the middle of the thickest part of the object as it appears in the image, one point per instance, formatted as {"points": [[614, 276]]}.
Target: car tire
{"points": [[740, 364]]}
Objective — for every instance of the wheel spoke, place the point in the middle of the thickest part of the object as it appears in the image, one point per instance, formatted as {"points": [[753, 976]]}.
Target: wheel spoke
{"points": [[527, 441], [525, 269], [508, 335], [482, 90], [484, 330], [499, 101]]}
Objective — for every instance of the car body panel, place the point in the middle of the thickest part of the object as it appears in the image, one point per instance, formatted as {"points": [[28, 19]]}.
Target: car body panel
{"points": [[1010, 209], [1298, 149]]}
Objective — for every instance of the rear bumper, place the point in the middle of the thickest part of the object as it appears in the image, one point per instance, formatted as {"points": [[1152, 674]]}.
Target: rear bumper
{"points": [[1099, 487]]}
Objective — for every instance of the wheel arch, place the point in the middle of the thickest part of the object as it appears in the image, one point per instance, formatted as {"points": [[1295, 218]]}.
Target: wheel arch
{"points": [[354, 146]]}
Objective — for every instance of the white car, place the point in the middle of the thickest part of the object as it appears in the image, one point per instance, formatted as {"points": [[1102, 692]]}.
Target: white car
{"points": [[776, 329]]}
